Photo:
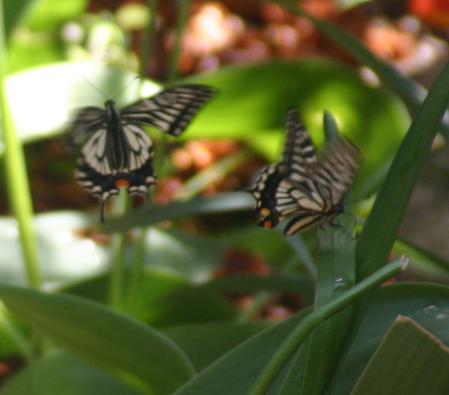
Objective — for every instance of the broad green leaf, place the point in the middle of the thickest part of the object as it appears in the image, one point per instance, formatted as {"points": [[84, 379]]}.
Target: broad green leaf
{"points": [[130, 350], [205, 342], [410, 360], [412, 93], [46, 14], [426, 304], [64, 374], [164, 298], [235, 372], [382, 225], [312, 85]]}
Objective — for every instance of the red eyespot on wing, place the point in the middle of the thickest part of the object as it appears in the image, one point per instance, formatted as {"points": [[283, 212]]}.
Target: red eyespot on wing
{"points": [[122, 183]]}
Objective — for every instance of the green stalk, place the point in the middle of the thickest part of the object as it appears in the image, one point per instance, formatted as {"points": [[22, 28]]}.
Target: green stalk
{"points": [[16, 175], [183, 13], [136, 273], [116, 284], [303, 329]]}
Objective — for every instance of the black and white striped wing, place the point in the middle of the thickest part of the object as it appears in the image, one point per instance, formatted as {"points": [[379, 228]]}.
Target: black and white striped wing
{"points": [[86, 122], [96, 170], [98, 150], [337, 169], [171, 110], [302, 188], [286, 188]]}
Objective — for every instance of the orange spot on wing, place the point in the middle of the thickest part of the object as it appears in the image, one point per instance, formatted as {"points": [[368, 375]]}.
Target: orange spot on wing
{"points": [[122, 183], [268, 224]]}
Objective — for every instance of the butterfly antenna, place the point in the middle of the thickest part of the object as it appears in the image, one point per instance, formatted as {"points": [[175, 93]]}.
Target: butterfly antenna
{"points": [[96, 87]]}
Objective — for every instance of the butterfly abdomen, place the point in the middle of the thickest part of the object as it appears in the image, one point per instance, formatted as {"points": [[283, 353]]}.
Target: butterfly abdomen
{"points": [[117, 145]]}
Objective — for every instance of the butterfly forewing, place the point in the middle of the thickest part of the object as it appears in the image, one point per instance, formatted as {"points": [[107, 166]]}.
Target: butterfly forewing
{"points": [[171, 110], [301, 187], [115, 150]]}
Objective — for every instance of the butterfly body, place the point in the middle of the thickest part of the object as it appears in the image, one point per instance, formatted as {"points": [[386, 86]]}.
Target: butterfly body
{"points": [[301, 188], [115, 150]]}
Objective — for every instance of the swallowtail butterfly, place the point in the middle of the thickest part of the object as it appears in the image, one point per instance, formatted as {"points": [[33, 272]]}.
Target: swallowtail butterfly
{"points": [[307, 190], [115, 150]]}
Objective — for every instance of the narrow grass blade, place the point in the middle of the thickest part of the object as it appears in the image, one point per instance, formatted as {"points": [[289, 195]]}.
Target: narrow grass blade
{"points": [[382, 225], [16, 175], [220, 203]]}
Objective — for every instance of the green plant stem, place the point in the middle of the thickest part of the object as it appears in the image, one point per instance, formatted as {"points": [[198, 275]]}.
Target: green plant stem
{"points": [[116, 285], [147, 43], [16, 175], [183, 12], [136, 272], [303, 329]]}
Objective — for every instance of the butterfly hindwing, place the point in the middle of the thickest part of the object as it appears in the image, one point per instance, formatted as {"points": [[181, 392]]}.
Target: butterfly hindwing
{"points": [[116, 151], [301, 187]]}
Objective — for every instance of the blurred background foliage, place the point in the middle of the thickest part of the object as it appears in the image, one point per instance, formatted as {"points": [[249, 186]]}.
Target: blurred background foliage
{"points": [[263, 60]]}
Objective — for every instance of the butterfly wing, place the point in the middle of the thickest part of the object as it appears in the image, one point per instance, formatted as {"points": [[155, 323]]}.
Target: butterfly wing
{"points": [[301, 187], [337, 169], [286, 189], [170, 110], [97, 170]]}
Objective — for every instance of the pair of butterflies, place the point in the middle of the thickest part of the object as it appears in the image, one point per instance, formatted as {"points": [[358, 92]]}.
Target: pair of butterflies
{"points": [[115, 150], [307, 190]]}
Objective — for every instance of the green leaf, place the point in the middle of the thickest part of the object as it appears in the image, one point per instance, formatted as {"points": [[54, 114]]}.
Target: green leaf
{"points": [[234, 372], [130, 350], [219, 203], [410, 360], [45, 14], [426, 304], [63, 374], [408, 90], [313, 86], [205, 342], [14, 11], [382, 225], [319, 356]]}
